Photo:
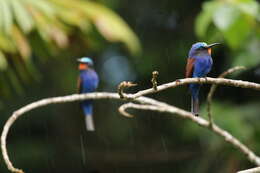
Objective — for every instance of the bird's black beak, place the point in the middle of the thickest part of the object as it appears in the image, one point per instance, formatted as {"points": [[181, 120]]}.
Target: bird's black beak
{"points": [[211, 45]]}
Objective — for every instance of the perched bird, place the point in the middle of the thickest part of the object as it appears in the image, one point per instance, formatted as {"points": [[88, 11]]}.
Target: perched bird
{"points": [[199, 64], [87, 83]]}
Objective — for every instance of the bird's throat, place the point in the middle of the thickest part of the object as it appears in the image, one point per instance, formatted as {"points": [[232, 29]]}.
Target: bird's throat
{"points": [[83, 66], [209, 51]]}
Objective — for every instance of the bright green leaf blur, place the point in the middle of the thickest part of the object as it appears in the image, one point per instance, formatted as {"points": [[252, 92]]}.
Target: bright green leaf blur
{"points": [[236, 23], [44, 28]]}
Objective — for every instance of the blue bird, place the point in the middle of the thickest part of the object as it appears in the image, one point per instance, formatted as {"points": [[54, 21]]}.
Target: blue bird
{"points": [[87, 82], [199, 64]]}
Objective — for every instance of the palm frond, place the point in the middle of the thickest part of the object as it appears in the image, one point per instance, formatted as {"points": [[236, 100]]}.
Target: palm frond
{"points": [[44, 27]]}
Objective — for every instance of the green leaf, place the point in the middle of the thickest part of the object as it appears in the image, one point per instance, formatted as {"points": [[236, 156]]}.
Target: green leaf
{"points": [[250, 56], [21, 43], [23, 18], [249, 7], [237, 33], [74, 19], [204, 19], [6, 18], [6, 43], [111, 26], [43, 6], [45, 26], [225, 16], [3, 62]]}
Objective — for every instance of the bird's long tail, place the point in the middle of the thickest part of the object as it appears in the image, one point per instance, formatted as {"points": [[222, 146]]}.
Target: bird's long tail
{"points": [[88, 111], [89, 123], [195, 105]]}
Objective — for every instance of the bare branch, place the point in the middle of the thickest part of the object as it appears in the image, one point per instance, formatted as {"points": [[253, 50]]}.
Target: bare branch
{"points": [[252, 170], [44, 102], [207, 80], [163, 107], [150, 104], [214, 87]]}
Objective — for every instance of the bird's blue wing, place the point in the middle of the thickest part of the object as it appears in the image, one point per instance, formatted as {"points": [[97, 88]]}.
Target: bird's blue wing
{"points": [[96, 80]]}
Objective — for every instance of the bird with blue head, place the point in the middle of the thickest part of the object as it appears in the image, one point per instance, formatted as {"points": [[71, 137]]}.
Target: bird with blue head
{"points": [[87, 82], [199, 64]]}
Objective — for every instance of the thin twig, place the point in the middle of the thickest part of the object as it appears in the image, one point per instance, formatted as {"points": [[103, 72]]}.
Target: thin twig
{"points": [[154, 79], [122, 86], [161, 107], [213, 89], [122, 108]]}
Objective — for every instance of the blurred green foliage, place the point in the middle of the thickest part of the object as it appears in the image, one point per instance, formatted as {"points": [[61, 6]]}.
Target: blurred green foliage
{"points": [[42, 29], [237, 22]]}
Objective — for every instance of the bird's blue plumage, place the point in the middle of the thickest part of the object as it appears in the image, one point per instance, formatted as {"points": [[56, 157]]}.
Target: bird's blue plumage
{"points": [[202, 66], [199, 65], [88, 83]]}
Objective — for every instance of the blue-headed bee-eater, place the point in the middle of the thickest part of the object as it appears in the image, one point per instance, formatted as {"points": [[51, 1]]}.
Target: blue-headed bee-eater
{"points": [[87, 82], [199, 64]]}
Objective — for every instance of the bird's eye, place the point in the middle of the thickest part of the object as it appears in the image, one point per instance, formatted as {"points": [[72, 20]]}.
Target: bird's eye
{"points": [[200, 48]]}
